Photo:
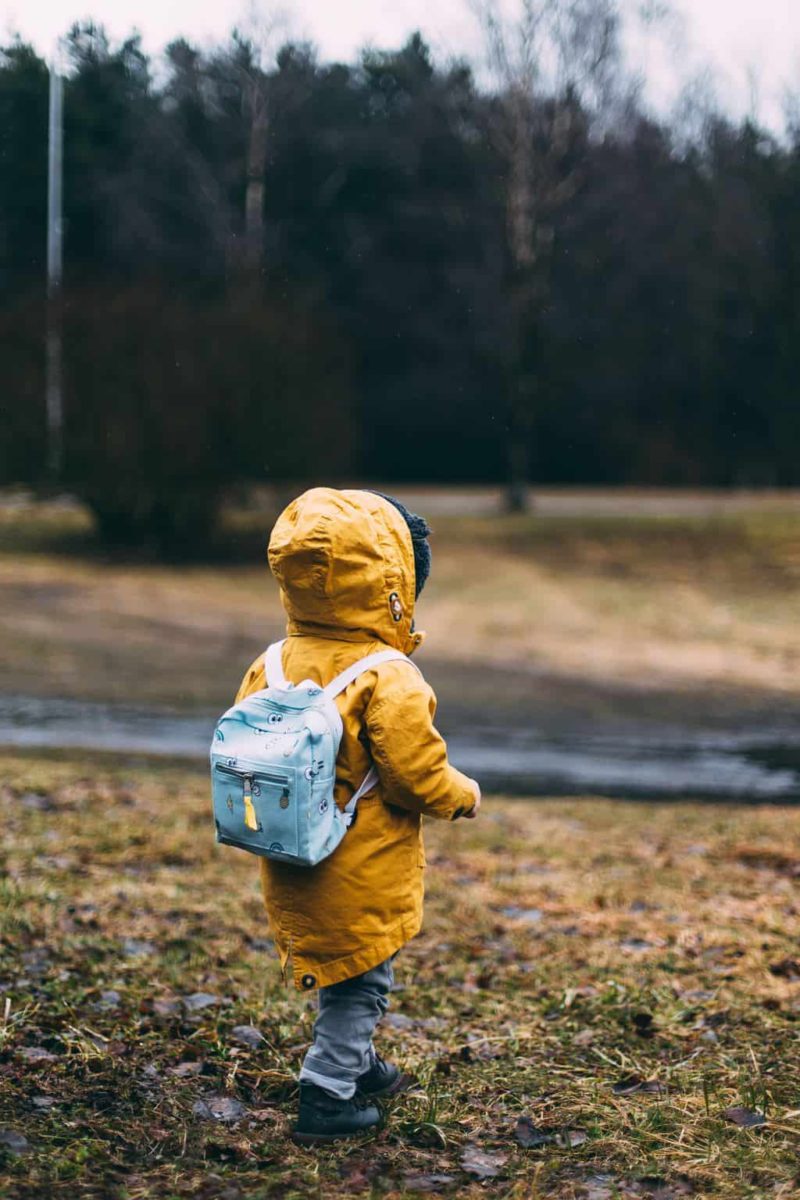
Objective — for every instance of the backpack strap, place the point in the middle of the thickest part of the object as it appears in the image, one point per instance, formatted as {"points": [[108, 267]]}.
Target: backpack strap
{"points": [[338, 685], [346, 677], [349, 811], [273, 666]]}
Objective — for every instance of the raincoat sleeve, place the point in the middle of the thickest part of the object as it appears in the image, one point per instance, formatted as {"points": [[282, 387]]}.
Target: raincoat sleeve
{"points": [[411, 755]]}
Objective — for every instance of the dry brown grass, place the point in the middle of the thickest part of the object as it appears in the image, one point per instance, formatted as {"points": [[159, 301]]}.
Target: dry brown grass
{"points": [[569, 946], [664, 602]]}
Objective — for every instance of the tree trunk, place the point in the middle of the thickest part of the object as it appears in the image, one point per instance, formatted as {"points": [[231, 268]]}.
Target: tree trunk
{"points": [[521, 233], [518, 450], [256, 165], [517, 498]]}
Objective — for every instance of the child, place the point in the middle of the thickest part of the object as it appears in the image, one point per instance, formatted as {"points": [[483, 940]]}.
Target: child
{"points": [[350, 565]]}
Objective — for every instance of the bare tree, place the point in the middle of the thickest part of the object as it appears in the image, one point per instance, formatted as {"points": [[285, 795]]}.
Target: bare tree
{"points": [[257, 37], [695, 110], [257, 113], [555, 64]]}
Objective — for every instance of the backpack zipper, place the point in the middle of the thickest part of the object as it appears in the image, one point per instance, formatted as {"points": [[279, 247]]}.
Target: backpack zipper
{"points": [[251, 774], [250, 818]]}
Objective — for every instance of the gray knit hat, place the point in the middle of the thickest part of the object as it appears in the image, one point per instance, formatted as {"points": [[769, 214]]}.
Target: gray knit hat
{"points": [[419, 530]]}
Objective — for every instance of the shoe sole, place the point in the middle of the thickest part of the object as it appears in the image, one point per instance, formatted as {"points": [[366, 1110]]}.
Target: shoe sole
{"points": [[322, 1139]]}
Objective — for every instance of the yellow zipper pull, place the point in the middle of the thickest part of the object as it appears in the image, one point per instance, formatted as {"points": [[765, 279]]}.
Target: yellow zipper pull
{"points": [[250, 818]]}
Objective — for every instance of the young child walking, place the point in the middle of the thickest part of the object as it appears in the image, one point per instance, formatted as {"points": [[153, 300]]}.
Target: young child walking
{"points": [[350, 565]]}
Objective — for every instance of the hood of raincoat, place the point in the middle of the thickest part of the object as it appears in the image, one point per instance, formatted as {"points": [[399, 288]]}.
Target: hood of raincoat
{"points": [[344, 561]]}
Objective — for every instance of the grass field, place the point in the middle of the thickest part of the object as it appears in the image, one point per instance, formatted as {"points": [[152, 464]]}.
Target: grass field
{"points": [[604, 1002], [596, 589], [602, 991]]}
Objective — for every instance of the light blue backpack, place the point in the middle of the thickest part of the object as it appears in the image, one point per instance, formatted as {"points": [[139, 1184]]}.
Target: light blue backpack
{"points": [[273, 766]]}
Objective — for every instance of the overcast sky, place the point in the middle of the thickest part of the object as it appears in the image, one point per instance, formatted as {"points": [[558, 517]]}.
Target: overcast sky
{"points": [[752, 46]]}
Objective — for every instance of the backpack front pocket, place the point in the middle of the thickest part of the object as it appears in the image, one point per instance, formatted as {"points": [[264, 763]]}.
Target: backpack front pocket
{"points": [[255, 810]]}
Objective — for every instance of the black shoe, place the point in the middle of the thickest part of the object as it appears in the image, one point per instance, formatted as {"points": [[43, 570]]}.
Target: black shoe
{"points": [[324, 1118], [383, 1079]]}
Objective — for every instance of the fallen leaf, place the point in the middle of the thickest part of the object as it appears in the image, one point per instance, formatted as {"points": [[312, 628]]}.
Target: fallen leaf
{"points": [[108, 1000], [600, 1187], [96, 1039], [137, 948], [656, 1188], [200, 1000], [34, 1054], [479, 1051], [248, 1035], [628, 1085], [482, 1163], [266, 1114], [530, 1136], [358, 1175], [636, 943], [151, 1072], [570, 1138], [220, 1108], [530, 916], [14, 1142], [700, 995], [745, 1118], [427, 1182], [185, 1070], [397, 1021], [37, 802], [635, 1083], [37, 962], [166, 1006], [647, 1187]]}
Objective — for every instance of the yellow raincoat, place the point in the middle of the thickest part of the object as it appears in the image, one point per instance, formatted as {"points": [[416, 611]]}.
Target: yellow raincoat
{"points": [[345, 565]]}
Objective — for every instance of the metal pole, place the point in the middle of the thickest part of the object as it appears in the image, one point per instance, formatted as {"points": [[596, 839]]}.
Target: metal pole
{"points": [[55, 399]]}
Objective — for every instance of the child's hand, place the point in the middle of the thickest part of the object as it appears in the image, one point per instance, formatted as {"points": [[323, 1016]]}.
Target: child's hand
{"points": [[473, 812]]}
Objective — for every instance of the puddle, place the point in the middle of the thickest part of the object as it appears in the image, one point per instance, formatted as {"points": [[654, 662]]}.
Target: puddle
{"points": [[752, 765], [30, 721], [639, 760]]}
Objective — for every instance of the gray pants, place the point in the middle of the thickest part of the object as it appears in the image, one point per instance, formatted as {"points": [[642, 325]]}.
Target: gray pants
{"points": [[348, 1013]]}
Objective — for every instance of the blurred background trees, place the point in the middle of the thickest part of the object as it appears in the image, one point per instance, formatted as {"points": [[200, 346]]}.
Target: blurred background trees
{"points": [[297, 270]]}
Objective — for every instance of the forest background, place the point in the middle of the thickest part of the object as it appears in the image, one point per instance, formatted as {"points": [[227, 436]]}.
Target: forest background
{"points": [[282, 269]]}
